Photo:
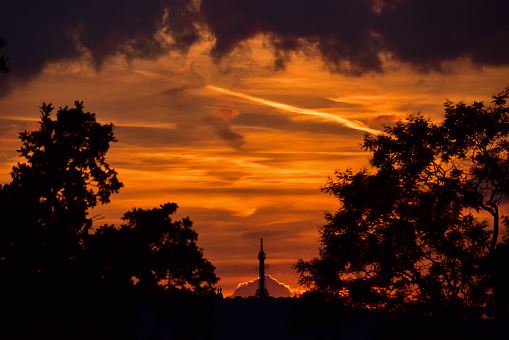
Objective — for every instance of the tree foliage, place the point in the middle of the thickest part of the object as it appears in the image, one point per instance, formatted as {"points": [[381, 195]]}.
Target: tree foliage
{"points": [[414, 228], [46, 204], [47, 236], [153, 250], [65, 172]]}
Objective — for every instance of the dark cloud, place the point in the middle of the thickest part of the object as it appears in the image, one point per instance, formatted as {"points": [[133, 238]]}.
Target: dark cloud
{"points": [[42, 32], [350, 36], [234, 139], [224, 131], [425, 33], [382, 119], [220, 118], [353, 36], [228, 176]]}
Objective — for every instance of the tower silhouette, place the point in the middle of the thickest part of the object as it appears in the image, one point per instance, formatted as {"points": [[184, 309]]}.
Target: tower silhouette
{"points": [[262, 287]]}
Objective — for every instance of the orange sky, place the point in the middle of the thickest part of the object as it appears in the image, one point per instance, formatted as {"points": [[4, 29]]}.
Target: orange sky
{"points": [[241, 148]]}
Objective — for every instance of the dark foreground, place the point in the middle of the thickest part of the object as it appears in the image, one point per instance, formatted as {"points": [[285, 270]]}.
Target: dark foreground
{"points": [[47, 314]]}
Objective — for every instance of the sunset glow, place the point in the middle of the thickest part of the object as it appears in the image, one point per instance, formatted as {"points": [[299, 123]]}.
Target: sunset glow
{"points": [[241, 123], [257, 174]]}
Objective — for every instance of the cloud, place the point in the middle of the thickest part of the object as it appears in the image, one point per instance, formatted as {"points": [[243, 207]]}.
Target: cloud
{"points": [[9, 138], [356, 125], [10, 129], [224, 110], [380, 119], [224, 131], [220, 117], [186, 68], [275, 288], [359, 36], [351, 37], [39, 33]]}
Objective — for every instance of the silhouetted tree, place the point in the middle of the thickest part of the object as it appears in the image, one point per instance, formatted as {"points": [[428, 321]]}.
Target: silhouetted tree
{"points": [[410, 229], [3, 59], [45, 207], [152, 250]]}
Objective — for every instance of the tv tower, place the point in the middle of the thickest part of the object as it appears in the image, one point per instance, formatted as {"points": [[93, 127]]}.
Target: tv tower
{"points": [[262, 287]]}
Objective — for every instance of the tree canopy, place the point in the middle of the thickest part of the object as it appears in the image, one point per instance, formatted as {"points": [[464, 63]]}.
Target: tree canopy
{"points": [[66, 172], [153, 250], [46, 204], [422, 224], [48, 236]]}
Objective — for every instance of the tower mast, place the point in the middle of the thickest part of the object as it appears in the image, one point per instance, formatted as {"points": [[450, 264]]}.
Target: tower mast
{"points": [[262, 288]]}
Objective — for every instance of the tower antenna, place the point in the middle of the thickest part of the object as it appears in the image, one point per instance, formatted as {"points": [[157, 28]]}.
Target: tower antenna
{"points": [[262, 291]]}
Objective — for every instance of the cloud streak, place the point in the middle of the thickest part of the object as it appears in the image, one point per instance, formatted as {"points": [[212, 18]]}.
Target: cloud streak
{"points": [[356, 125]]}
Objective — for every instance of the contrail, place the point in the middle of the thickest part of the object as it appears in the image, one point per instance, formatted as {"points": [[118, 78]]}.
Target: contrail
{"points": [[291, 108]]}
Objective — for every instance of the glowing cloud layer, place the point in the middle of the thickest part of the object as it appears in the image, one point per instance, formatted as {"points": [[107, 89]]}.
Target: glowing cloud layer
{"points": [[275, 288], [290, 108]]}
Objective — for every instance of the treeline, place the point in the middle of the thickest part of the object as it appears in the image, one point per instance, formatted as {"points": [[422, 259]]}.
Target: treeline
{"points": [[181, 316], [47, 239], [424, 226]]}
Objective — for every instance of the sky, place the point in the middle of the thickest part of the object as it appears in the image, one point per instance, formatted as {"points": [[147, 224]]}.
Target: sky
{"points": [[238, 111]]}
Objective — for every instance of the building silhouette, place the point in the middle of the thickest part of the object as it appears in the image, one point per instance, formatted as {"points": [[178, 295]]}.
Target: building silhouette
{"points": [[262, 291], [219, 293]]}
